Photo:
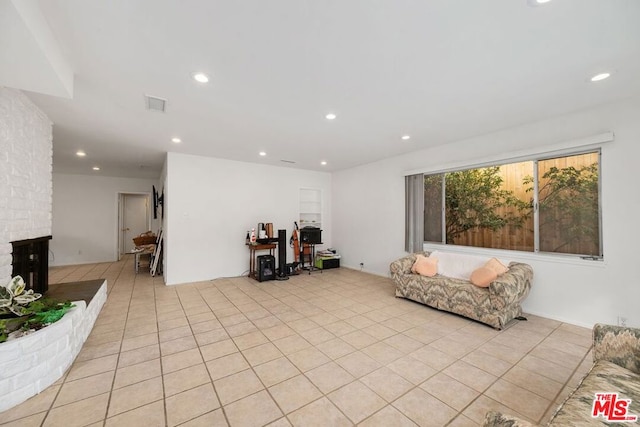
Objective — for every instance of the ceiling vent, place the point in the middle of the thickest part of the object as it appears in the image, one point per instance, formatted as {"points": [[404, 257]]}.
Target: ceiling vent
{"points": [[287, 161], [155, 104]]}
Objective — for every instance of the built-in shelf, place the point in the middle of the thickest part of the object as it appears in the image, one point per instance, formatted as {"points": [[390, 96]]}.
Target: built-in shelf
{"points": [[310, 208]]}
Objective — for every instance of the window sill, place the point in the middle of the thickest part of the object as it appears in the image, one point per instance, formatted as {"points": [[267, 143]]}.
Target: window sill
{"points": [[519, 256]]}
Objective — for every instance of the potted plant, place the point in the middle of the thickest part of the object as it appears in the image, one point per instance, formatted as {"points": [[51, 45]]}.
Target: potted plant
{"points": [[23, 311]]}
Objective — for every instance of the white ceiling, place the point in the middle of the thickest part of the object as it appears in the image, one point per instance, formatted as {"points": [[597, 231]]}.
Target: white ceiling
{"points": [[439, 70]]}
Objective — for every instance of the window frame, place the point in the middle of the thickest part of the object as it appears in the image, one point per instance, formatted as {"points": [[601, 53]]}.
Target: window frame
{"points": [[535, 159]]}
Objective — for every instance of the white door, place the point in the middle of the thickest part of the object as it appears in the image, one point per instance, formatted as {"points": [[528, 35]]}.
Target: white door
{"points": [[135, 219]]}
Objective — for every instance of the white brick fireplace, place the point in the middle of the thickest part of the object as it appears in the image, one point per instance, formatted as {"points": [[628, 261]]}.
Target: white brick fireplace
{"points": [[29, 364], [25, 173]]}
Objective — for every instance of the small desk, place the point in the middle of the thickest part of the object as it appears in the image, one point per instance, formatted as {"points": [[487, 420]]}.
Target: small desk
{"points": [[252, 256]]}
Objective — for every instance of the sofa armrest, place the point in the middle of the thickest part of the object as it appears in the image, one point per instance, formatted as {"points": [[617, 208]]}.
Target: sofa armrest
{"points": [[497, 419], [404, 264], [617, 344], [512, 286]]}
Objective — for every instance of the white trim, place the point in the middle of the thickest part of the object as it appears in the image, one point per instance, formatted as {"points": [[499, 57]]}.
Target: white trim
{"points": [[563, 148]]}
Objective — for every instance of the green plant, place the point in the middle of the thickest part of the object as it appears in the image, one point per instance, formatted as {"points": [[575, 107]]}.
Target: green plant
{"points": [[25, 310], [14, 298], [568, 200], [473, 199]]}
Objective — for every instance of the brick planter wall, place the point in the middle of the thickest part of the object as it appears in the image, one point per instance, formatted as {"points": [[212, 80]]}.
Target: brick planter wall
{"points": [[32, 363]]}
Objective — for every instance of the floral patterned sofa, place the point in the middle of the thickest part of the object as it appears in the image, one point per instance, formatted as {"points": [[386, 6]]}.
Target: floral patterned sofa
{"points": [[616, 369], [495, 305]]}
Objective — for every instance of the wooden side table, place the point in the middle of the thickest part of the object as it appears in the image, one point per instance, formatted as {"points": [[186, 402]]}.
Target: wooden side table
{"points": [[252, 256]]}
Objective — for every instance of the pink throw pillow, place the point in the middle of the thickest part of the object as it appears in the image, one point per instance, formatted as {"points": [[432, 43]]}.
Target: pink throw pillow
{"points": [[489, 272], [496, 266], [483, 276], [413, 267], [425, 266]]}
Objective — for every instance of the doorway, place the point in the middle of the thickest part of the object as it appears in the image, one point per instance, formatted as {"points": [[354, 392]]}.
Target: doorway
{"points": [[134, 218]]}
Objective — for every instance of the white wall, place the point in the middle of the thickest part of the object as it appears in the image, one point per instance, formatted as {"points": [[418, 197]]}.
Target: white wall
{"points": [[25, 174], [368, 213], [85, 217], [161, 187], [213, 202]]}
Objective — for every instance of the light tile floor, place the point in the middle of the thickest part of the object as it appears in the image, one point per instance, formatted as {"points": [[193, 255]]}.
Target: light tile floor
{"points": [[329, 349]]}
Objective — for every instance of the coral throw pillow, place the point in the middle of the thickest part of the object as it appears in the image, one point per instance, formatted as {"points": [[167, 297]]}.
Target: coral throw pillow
{"points": [[425, 266], [496, 266], [489, 272], [413, 267], [483, 276]]}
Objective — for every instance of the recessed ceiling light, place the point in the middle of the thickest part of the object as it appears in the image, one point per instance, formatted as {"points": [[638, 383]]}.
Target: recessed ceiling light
{"points": [[600, 76], [176, 140], [406, 137], [200, 77], [96, 168], [262, 153], [331, 116], [534, 3], [80, 153], [323, 163]]}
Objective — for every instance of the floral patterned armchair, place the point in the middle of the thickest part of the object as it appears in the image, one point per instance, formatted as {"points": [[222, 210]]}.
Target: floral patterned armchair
{"points": [[616, 369]]}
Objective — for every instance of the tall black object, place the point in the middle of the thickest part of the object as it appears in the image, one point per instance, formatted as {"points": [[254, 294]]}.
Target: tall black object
{"points": [[282, 255], [266, 268]]}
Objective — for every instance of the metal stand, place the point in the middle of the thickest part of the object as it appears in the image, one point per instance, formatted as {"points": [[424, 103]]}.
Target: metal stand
{"points": [[312, 256]]}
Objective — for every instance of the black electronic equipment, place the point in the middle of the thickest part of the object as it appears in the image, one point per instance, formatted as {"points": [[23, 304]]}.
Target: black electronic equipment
{"points": [[266, 267], [311, 235], [282, 255]]}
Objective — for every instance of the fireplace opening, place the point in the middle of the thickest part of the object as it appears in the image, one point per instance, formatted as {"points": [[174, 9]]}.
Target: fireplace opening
{"points": [[31, 261]]}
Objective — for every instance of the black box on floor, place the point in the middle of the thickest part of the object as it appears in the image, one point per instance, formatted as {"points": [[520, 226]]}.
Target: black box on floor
{"points": [[325, 263], [266, 266]]}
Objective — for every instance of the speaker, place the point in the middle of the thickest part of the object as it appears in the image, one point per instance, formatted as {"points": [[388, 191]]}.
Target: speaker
{"points": [[266, 267], [282, 255], [311, 235]]}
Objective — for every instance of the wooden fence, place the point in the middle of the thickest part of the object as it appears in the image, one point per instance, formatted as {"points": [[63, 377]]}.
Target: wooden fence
{"points": [[521, 238]]}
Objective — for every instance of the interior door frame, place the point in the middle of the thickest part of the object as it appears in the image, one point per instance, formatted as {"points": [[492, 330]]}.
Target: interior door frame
{"points": [[120, 199]]}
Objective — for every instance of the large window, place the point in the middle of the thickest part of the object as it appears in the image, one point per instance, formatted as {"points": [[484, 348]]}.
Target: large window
{"points": [[547, 205]]}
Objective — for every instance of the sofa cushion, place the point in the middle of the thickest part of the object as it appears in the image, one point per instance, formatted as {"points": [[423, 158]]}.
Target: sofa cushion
{"points": [[425, 266], [604, 377], [617, 344], [456, 265], [497, 419]]}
